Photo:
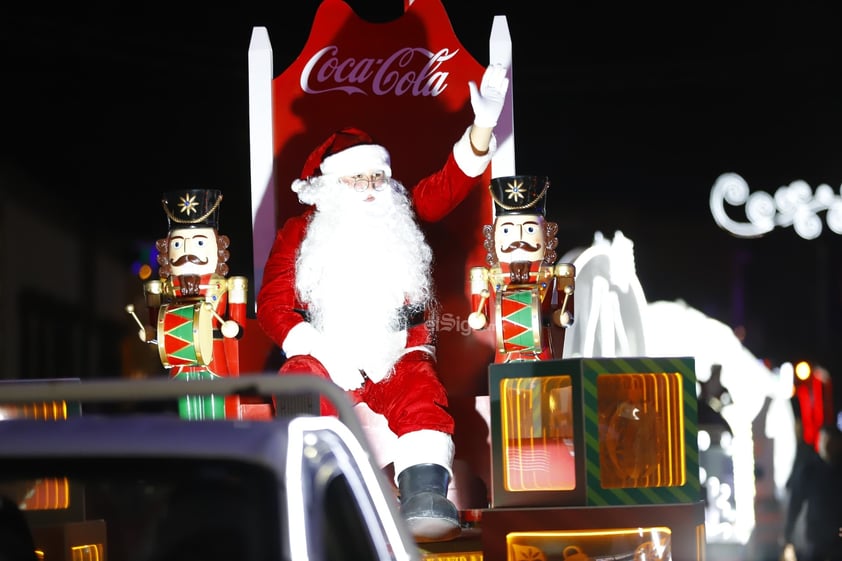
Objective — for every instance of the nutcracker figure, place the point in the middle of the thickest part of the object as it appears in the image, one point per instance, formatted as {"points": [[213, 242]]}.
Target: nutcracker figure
{"points": [[198, 312], [531, 293]]}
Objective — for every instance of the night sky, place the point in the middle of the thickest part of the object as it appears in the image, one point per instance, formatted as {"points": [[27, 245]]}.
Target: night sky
{"points": [[632, 110]]}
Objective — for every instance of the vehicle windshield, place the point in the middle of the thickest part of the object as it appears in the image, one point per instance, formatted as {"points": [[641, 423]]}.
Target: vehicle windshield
{"points": [[154, 509]]}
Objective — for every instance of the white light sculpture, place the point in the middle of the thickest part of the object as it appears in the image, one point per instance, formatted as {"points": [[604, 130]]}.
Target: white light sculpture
{"points": [[794, 205]]}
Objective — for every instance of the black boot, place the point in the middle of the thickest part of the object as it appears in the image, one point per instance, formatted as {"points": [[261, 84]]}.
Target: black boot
{"points": [[424, 503]]}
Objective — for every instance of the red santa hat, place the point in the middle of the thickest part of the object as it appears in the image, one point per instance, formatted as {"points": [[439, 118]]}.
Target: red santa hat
{"points": [[348, 151]]}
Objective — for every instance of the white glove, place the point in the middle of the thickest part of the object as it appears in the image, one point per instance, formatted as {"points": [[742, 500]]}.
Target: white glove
{"points": [[488, 100], [303, 339]]}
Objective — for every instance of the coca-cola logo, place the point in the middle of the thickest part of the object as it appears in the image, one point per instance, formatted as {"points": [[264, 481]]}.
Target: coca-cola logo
{"points": [[408, 71]]}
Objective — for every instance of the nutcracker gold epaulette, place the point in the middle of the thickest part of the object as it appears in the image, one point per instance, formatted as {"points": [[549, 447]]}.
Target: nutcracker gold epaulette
{"points": [[216, 287]]}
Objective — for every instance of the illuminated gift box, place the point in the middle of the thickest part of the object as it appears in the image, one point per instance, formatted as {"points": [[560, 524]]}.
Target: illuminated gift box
{"points": [[650, 533], [594, 432]]}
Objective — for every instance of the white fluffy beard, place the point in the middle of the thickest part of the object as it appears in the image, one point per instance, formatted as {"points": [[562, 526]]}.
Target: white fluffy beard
{"points": [[359, 264]]}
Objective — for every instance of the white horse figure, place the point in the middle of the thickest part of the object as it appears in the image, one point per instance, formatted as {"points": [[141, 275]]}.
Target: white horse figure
{"points": [[609, 304]]}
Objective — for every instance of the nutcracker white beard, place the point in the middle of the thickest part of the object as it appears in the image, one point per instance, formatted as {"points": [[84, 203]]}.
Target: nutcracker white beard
{"points": [[359, 264]]}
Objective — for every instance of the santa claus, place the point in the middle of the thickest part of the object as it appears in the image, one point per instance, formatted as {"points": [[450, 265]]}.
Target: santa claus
{"points": [[322, 301]]}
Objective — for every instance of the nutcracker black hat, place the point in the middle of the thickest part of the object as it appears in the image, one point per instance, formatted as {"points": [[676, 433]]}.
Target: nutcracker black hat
{"points": [[192, 208], [519, 194]]}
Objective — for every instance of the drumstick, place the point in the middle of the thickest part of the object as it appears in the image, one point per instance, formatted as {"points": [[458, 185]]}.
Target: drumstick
{"points": [[559, 313], [130, 309], [225, 327], [483, 298], [477, 319], [209, 306]]}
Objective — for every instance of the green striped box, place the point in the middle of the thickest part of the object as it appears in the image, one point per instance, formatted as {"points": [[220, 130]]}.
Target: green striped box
{"points": [[594, 432]]}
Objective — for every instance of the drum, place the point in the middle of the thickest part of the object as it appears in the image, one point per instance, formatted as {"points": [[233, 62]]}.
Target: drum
{"points": [[185, 334], [518, 321]]}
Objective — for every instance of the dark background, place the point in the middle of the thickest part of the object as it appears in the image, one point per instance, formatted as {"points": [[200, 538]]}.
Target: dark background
{"points": [[632, 109]]}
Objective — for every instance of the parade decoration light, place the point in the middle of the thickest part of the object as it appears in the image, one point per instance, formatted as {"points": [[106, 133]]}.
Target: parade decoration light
{"points": [[793, 205], [146, 260], [803, 370]]}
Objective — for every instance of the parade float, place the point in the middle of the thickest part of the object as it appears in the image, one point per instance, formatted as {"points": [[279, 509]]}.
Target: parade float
{"points": [[580, 455]]}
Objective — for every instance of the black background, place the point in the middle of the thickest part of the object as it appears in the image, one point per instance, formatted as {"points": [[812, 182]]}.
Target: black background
{"points": [[632, 109]]}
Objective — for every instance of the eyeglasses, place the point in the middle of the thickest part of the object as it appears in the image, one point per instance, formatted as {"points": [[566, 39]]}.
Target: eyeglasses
{"points": [[360, 182]]}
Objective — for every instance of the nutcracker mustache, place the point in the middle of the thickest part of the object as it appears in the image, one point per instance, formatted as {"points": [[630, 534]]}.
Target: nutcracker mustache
{"points": [[194, 259], [520, 245]]}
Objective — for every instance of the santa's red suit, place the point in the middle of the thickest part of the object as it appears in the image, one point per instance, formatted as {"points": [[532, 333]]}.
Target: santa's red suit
{"points": [[406, 390], [347, 294], [411, 397]]}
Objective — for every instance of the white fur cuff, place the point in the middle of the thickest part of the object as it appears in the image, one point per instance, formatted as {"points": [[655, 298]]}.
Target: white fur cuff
{"points": [[301, 340], [424, 447], [471, 164], [357, 159]]}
